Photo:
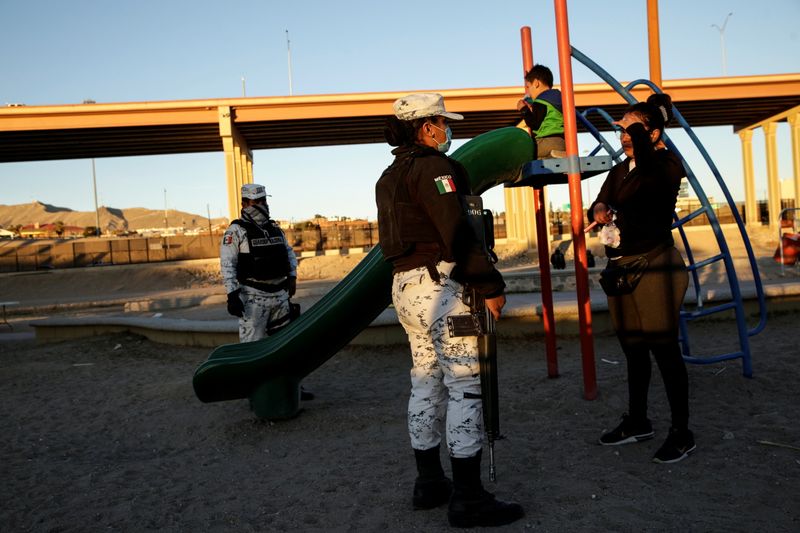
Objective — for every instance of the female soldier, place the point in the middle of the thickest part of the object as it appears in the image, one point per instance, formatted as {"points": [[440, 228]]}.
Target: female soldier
{"points": [[637, 202], [425, 233]]}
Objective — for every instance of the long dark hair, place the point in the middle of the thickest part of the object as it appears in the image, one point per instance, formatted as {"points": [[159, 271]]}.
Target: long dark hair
{"points": [[656, 112], [402, 132]]}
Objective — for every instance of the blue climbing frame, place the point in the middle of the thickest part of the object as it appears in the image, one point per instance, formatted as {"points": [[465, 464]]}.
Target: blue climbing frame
{"points": [[736, 304]]}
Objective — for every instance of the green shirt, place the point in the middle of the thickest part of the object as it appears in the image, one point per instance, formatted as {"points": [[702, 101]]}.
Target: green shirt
{"points": [[553, 123]]}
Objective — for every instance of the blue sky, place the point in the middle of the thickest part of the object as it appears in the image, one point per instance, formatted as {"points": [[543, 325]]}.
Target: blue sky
{"points": [[66, 51]]}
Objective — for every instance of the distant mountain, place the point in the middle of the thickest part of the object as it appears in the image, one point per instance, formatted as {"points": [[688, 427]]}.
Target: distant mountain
{"points": [[111, 219]]}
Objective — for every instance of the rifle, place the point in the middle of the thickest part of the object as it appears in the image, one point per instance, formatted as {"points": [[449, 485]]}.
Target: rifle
{"points": [[481, 323], [487, 360]]}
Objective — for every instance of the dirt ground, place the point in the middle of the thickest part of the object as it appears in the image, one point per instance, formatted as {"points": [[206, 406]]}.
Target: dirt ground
{"points": [[106, 434]]}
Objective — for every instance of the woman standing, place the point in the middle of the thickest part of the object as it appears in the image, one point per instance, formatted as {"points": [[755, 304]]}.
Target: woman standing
{"points": [[636, 203], [425, 233]]}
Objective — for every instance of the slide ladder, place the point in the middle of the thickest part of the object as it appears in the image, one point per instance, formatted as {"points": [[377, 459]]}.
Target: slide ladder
{"points": [[736, 303]]}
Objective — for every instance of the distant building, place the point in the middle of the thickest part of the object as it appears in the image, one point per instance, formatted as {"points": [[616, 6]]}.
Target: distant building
{"points": [[49, 231], [683, 191]]}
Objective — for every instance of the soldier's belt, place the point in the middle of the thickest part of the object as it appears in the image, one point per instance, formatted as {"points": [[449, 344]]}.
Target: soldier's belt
{"points": [[264, 286]]}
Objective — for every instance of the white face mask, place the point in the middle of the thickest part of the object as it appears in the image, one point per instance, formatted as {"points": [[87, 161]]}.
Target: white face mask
{"points": [[445, 146]]}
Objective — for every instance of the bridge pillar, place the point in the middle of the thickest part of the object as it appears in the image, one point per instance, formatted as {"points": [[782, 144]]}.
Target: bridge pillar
{"points": [[238, 160], [794, 125], [520, 216], [773, 183], [511, 226], [750, 200]]}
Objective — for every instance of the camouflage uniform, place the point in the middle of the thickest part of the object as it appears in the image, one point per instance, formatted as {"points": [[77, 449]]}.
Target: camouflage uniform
{"points": [[264, 312], [425, 232], [445, 375], [425, 185]]}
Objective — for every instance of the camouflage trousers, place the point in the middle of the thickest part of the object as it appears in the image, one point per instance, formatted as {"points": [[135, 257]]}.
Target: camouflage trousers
{"points": [[445, 378], [264, 313]]}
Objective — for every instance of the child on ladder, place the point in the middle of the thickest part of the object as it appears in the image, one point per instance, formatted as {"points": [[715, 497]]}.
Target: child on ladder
{"points": [[541, 111]]}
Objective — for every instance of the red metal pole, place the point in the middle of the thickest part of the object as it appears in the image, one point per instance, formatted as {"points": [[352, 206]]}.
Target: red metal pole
{"points": [[576, 204], [542, 243], [653, 42], [527, 49]]}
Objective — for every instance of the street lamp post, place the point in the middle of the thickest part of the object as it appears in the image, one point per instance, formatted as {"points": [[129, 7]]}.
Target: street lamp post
{"points": [[722, 43], [96, 210], [289, 60]]}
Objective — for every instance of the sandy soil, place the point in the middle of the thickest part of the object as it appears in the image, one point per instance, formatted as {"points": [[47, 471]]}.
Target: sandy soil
{"points": [[106, 434]]}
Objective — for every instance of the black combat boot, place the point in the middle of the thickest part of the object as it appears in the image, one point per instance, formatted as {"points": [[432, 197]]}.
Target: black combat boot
{"points": [[431, 488], [470, 504]]}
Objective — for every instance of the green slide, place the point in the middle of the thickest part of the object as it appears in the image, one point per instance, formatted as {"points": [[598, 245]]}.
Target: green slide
{"points": [[269, 371]]}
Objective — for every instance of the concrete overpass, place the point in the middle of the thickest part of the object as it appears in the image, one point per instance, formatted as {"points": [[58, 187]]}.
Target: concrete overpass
{"points": [[237, 126]]}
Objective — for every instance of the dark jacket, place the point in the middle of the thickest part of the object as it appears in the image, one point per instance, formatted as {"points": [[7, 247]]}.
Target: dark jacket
{"points": [[643, 198], [536, 113], [436, 185]]}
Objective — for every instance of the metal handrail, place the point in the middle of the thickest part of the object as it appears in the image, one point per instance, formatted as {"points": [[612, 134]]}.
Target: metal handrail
{"points": [[733, 280], [712, 216], [602, 142]]}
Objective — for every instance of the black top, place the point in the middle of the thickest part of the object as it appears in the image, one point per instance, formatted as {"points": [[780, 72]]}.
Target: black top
{"points": [[644, 198], [438, 184]]}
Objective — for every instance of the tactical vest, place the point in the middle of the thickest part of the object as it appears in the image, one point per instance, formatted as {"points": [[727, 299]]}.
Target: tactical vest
{"points": [[401, 222], [553, 123], [268, 258]]}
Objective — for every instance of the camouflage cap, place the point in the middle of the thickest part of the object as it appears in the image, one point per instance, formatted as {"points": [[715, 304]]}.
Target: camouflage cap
{"points": [[253, 191], [421, 105]]}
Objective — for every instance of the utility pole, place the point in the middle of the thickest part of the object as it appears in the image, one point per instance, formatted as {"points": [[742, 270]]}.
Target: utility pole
{"points": [[722, 43], [166, 224], [96, 210], [244, 92], [210, 236], [289, 58]]}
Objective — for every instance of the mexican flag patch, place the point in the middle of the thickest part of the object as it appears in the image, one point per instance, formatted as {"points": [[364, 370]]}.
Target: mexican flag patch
{"points": [[445, 184]]}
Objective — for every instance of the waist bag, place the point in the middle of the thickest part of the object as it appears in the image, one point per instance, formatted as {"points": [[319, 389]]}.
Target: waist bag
{"points": [[620, 279]]}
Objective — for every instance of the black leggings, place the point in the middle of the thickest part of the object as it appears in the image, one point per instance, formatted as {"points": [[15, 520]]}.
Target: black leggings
{"points": [[673, 371], [646, 321]]}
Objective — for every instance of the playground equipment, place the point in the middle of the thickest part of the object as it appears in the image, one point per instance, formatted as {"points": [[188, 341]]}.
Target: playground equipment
{"points": [[736, 304], [268, 372], [574, 167]]}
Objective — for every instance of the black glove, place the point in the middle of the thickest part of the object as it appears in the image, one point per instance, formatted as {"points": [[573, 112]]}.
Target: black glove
{"points": [[235, 305], [291, 285]]}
